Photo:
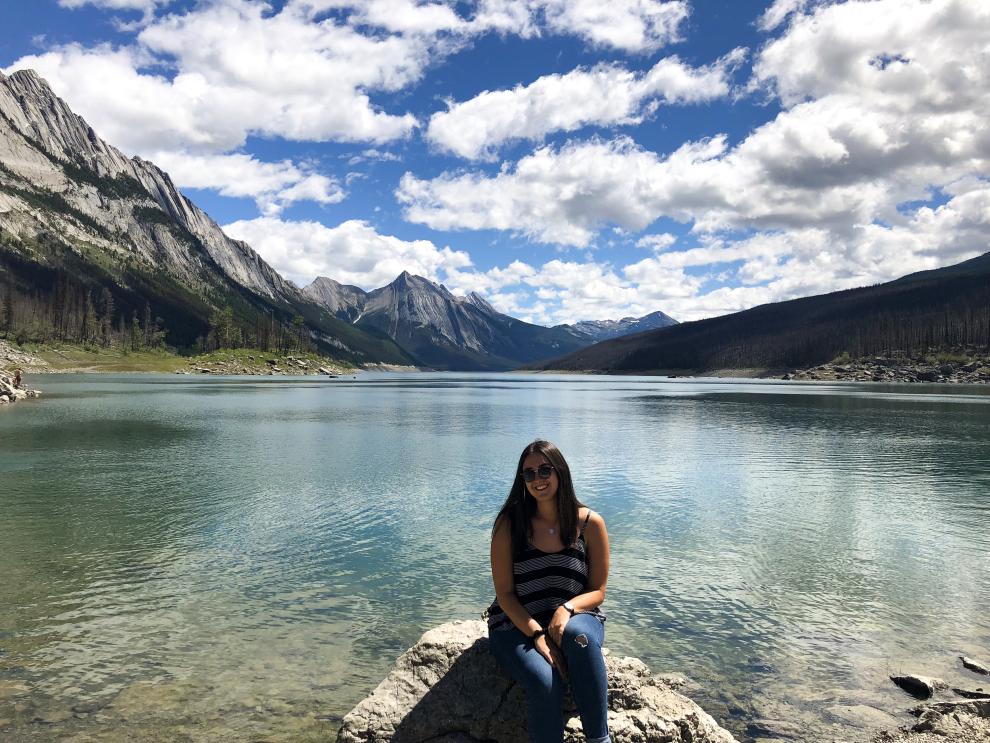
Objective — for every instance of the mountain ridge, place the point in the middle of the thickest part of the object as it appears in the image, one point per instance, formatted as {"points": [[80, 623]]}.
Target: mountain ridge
{"points": [[75, 211]]}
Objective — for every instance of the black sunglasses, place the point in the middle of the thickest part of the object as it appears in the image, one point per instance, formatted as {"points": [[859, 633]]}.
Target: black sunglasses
{"points": [[542, 472]]}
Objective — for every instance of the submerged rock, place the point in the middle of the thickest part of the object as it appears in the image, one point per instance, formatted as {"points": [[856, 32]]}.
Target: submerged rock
{"points": [[447, 688]]}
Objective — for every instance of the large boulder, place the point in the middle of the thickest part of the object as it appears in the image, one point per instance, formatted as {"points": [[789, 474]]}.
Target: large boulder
{"points": [[447, 688]]}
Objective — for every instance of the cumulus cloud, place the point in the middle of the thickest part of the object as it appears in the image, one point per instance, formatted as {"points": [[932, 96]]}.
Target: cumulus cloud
{"points": [[352, 252], [399, 16], [273, 185], [658, 243], [564, 195], [724, 275], [874, 118], [629, 25], [778, 12], [606, 95], [146, 6]]}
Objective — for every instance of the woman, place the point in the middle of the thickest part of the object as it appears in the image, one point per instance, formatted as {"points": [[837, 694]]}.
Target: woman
{"points": [[550, 566]]}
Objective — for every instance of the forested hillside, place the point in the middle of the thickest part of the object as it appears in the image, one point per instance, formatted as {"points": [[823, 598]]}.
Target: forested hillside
{"points": [[943, 308]]}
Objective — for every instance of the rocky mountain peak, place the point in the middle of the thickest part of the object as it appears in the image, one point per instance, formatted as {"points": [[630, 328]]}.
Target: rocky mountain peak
{"points": [[481, 303]]}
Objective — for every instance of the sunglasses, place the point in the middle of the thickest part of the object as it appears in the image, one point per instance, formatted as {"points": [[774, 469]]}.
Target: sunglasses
{"points": [[542, 472]]}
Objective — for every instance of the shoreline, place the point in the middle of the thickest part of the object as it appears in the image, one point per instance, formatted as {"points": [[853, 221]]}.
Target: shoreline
{"points": [[962, 366]]}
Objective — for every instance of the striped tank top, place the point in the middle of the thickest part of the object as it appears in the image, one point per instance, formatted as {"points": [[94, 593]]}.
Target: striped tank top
{"points": [[545, 580]]}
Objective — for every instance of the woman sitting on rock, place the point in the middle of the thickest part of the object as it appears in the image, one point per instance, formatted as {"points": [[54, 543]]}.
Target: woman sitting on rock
{"points": [[550, 565]]}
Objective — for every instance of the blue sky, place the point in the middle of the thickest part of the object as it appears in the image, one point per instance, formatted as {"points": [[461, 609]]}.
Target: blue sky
{"points": [[567, 159]]}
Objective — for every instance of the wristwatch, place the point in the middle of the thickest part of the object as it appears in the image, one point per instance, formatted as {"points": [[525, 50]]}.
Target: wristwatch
{"points": [[570, 608]]}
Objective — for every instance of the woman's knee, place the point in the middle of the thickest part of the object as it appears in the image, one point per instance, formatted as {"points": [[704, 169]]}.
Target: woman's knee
{"points": [[582, 631]]}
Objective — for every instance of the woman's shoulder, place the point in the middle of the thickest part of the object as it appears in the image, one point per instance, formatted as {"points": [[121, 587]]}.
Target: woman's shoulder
{"points": [[592, 517]]}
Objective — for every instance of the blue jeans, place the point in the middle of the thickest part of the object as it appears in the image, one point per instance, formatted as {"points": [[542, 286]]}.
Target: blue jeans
{"points": [[582, 647]]}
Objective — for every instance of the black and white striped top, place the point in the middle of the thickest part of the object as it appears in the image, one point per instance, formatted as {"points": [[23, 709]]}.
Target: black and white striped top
{"points": [[545, 580]]}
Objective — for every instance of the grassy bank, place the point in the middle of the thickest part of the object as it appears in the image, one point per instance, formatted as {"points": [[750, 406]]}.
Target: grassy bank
{"points": [[76, 358]]}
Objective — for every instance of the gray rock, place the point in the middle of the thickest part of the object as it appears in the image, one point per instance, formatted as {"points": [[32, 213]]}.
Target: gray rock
{"points": [[970, 694], [447, 688], [974, 666]]}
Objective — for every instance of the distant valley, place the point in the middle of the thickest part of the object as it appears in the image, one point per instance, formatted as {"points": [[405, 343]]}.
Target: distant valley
{"points": [[444, 331]]}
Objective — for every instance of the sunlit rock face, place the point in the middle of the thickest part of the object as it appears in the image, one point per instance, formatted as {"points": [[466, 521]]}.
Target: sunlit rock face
{"points": [[127, 208]]}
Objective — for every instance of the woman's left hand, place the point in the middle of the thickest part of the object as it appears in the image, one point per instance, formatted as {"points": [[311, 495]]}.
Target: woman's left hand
{"points": [[556, 627]]}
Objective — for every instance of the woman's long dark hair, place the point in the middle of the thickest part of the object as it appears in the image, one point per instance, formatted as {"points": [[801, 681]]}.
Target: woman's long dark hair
{"points": [[519, 507]]}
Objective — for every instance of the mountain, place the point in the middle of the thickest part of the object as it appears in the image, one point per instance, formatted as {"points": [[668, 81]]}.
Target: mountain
{"points": [[942, 309], [442, 330], [595, 331], [79, 219]]}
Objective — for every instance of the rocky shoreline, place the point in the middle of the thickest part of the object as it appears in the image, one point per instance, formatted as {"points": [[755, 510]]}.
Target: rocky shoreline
{"points": [[962, 368], [265, 365], [951, 713], [11, 391]]}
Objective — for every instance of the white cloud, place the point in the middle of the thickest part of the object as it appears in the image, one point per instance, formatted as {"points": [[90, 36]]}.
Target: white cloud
{"points": [[563, 195], [273, 185], [778, 12], [658, 243], [629, 25], [606, 95], [146, 6], [399, 16], [725, 276], [353, 252]]}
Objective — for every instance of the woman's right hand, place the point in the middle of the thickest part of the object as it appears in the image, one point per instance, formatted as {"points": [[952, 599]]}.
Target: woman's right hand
{"points": [[543, 648]]}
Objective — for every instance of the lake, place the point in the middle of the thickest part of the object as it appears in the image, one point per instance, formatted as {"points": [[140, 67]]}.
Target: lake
{"points": [[243, 558]]}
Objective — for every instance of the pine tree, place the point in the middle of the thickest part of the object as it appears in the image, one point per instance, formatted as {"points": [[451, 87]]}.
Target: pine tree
{"points": [[106, 317], [137, 336], [90, 321]]}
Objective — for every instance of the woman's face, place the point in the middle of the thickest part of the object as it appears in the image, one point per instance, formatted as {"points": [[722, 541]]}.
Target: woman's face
{"points": [[540, 489]]}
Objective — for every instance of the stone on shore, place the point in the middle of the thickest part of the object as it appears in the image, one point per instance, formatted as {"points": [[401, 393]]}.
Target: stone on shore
{"points": [[447, 688], [974, 666]]}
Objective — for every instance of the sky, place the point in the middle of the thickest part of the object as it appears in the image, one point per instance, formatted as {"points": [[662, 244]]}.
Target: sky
{"points": [[566, 159]]}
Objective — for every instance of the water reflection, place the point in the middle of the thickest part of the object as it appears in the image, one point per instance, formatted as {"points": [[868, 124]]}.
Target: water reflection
{"points": [[245, 545]]}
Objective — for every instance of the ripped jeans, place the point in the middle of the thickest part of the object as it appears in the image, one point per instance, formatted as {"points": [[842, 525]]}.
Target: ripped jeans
{"points": [[582, 646]]}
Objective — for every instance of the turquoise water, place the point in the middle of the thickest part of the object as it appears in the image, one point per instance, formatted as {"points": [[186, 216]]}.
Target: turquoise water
{"points": [[243, 558]]}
